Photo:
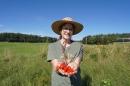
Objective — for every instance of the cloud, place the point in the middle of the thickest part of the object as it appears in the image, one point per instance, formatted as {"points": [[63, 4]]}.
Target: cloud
{"points": [[1, 26]]}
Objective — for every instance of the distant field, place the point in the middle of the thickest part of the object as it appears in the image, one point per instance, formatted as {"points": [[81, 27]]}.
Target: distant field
{"points": [[24, 64]]}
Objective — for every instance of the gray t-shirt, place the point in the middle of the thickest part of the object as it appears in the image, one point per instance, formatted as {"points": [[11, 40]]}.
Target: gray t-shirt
{"points": [[55, 51]]}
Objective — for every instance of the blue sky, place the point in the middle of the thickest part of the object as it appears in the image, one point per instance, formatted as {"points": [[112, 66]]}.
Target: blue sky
{"points": [[36, 16]]}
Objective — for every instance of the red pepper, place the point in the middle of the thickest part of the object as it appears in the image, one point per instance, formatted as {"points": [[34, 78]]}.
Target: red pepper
{"points": [[66, 69]]}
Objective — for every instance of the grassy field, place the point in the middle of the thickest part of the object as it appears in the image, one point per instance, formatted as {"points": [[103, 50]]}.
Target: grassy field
{"points": [[24, 64]]}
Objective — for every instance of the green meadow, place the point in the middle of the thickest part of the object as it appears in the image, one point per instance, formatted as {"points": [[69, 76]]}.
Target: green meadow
{"points": [[24, 64]]}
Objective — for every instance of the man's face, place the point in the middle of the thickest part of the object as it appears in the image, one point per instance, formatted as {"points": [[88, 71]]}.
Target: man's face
{"points": [[67, 31]]}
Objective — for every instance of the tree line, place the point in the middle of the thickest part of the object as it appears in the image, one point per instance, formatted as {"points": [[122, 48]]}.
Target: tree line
{"points": [[106, 38], [18, 37], [91, 39]]}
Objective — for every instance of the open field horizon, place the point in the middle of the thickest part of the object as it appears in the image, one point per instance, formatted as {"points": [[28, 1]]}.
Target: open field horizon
{"points": [[24, 64]]}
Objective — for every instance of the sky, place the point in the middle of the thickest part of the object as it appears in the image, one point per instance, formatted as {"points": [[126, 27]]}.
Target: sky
{"points": [[36, 16]]}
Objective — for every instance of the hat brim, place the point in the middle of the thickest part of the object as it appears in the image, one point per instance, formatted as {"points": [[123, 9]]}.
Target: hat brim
{"points": [[56, 26]]}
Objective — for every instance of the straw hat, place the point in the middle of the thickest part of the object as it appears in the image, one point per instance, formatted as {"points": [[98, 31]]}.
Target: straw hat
{"points": [[56, 26]]}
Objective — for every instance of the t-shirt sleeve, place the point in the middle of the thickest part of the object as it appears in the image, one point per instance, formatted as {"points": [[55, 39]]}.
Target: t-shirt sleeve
{"points": [[51, 53], [80, 53]]}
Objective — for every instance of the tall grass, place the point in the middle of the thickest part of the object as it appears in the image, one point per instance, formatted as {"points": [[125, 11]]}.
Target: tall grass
{"points": [[24, 64], [107, 65]]}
